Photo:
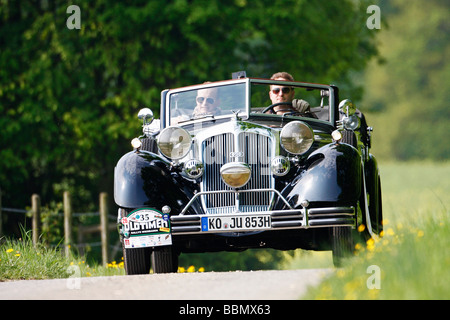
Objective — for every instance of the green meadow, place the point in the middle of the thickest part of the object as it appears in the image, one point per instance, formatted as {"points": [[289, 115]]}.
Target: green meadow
{"points": [[412, 259]]}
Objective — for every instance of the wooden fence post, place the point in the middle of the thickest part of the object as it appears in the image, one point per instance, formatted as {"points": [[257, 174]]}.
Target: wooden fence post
{"points": [[36, 219], [1, 215], [104, 226], [67, 222]]}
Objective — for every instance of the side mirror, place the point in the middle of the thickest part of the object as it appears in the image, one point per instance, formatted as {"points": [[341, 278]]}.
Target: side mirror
{"points": [[347, 107], [146, 115]]}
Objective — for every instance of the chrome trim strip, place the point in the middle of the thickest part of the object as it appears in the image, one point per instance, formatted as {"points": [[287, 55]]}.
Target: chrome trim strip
{"points": [[280, 220]]}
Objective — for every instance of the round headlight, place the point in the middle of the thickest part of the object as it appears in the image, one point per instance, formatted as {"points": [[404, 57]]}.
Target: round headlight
{"points": [[193, 168], [235, 174], [174, 142], [296, 137]]}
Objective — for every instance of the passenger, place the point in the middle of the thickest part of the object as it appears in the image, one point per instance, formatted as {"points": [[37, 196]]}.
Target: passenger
{"points": [[207, 102]]}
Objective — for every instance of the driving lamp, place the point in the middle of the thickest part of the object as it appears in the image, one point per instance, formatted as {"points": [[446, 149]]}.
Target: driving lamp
{"points": [[351, 123], [193, 168], [280, 166], [296, 137], [235, 174], [174, 142]]}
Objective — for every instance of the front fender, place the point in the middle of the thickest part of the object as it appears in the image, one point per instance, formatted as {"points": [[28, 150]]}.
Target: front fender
{"points": [[143, 179], [332, 175]]}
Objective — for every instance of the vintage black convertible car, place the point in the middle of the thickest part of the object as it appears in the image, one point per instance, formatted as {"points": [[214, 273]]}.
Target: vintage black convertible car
{"points": [[224, 170]]}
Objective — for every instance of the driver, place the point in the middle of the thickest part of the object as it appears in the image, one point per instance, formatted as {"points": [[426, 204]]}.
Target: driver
{"points": [[279, 94]]}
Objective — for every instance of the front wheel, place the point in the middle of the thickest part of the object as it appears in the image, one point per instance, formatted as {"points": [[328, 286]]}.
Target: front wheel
{"points": [[137, 260], [342, 244], [164, 260]]}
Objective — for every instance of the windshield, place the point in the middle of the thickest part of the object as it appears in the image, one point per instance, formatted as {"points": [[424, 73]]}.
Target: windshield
{"points": [[207, 102], [290, 100], [266, 97]]}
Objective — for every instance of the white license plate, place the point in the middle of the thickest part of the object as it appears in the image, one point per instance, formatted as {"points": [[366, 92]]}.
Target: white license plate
{"points": [[235, 223]]}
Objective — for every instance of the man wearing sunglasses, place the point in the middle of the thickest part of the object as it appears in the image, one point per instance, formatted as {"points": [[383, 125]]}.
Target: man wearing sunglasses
{"points": [[207, 102], [279, 94]]}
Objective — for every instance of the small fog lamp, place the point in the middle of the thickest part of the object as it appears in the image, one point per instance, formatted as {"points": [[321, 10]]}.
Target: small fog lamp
{"points": [[336, 135], [136, 143]]}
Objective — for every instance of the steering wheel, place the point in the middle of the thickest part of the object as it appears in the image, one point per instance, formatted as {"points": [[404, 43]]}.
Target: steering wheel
{"points": [[278, 104]]}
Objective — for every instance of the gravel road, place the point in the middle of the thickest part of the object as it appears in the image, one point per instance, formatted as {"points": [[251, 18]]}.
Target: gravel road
{"points": [[247, 285]]}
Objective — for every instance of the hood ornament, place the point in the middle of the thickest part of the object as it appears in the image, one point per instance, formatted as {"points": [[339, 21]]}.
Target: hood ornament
{"points": [[236, 114]]}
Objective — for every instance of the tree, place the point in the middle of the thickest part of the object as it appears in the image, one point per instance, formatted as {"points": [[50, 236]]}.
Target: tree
{"points": [[411, 87], [69, 97]]}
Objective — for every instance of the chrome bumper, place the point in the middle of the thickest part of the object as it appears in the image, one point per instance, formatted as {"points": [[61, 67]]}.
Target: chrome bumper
{"points": [[303, 218]]}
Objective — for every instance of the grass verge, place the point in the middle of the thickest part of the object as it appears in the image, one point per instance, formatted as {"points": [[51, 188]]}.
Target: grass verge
{"points": [[412, 259], [20, 260]]}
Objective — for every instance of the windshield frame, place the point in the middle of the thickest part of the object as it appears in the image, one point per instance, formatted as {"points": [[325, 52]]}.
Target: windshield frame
{"points": [[246, 113]]}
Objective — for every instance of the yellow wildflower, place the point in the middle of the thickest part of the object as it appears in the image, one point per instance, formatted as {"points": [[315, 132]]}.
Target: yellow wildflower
{"points": [[370, 244], [191, 269], [420, 234], [390, 232], [9, 250], [340, 273], [17, 254], [361, 228], [201, 269], [373, 294], [181, 269]]}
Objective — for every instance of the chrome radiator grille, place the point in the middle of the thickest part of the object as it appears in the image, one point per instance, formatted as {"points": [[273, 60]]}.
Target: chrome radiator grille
{"points": [[253, 149]]}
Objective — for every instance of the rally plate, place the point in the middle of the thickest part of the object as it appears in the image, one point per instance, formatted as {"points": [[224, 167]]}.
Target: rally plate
{"points": [[146, 228]]}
